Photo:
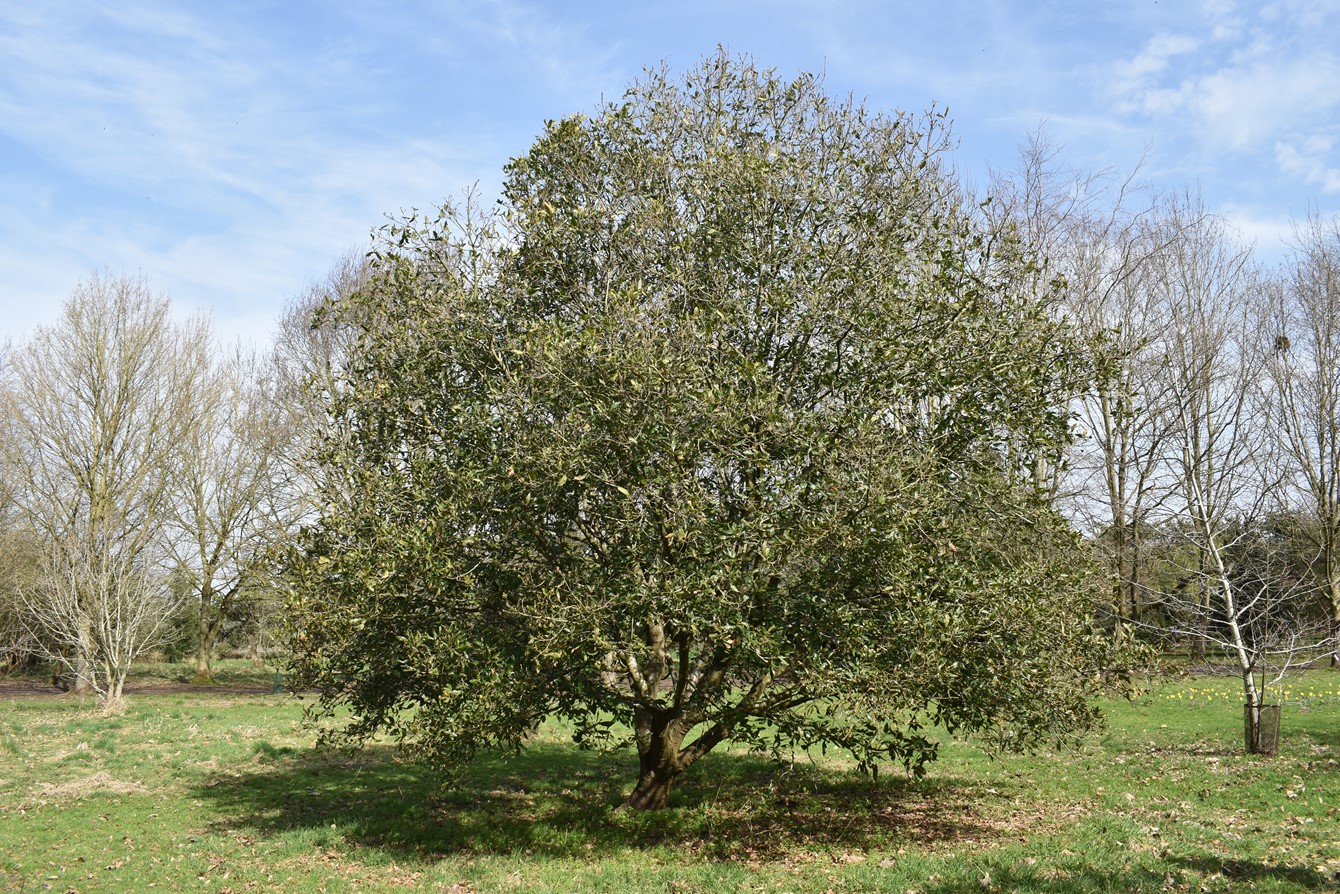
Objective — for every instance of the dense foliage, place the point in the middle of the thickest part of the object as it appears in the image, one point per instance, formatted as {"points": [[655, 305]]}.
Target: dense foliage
{"points": [[724, 426]]}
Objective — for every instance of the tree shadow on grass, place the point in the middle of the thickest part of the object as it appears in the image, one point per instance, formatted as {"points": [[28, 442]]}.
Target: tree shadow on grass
{"points": [[1309, 730], [1199, 873], [556, 800]]}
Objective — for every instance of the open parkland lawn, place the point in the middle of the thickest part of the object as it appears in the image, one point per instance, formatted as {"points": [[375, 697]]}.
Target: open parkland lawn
{"points": [[222, 792]]}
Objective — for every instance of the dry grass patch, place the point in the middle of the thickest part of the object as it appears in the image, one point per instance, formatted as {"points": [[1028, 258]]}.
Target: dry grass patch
{"points": [[98, 783]]}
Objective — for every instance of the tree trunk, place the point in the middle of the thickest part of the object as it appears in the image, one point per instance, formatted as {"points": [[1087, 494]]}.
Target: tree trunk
{"points": [[114, 702], [652, 791], [1252, 726], [207, 630], [204, 647], [84, 668], [203, 676], [1261, 726], [1119, 610], [1203, 615], [1335, 624], [1120, 607], [1335, 638], [83, 676], [659, 761]]}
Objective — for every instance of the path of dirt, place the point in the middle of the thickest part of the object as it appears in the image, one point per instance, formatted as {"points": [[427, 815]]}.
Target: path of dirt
{"points": [[36, 689]]}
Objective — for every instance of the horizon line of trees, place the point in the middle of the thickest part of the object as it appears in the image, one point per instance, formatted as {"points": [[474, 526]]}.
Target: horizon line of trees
{"points": [[1207, 474], [149, 473]]}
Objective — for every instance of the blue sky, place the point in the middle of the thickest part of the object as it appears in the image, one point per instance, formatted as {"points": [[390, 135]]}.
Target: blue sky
{"points": [[231, 151]]}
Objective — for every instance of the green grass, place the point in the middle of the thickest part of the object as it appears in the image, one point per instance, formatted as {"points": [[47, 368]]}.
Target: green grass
{"points": [[228, 672], [223, 793]]}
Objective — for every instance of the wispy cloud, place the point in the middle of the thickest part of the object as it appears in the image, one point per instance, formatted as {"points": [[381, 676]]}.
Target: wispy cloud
{"points": [[231, 152], [228, 161], [1137, 78], [1261, 84], [1313, 159]]}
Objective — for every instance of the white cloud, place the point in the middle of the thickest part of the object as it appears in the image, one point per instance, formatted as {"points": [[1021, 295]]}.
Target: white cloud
{"points": [[1225, 22], [1305, 14], [1242, 93], [1267, 228], [1311, 158], [226, 171], [1263, 88], [1134, 78], [1247, 106]]}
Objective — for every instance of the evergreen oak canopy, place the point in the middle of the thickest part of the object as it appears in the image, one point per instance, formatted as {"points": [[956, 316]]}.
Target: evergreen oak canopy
{"points": [[722, 426]]}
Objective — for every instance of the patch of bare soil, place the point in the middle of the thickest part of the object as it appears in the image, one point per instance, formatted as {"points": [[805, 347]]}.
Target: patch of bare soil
{"points": [[89, 785], [30, 689]]}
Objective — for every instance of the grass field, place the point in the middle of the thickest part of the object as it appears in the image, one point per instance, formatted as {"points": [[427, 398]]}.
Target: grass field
{"points": [[223, 793]]}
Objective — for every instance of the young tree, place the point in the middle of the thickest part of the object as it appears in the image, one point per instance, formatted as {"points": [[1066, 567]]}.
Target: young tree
{"points": [[715, 431], [1220, 456], [95, 612], [100, 405], [1304, 367]]}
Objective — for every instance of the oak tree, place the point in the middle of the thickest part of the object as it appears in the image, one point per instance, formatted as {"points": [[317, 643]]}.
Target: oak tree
{"points": [[721, 427]]}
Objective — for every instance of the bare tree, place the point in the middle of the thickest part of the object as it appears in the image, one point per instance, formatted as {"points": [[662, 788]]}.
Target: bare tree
{"points": [[311, 347], [309, 365], [243, 477], [1094, 231], [99, 611], [1220, 457], [17, 556], [227, 507], [1304, 369], [100, 405]]}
